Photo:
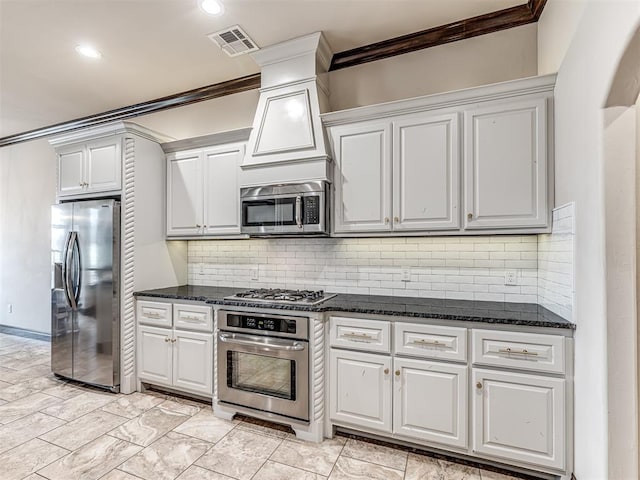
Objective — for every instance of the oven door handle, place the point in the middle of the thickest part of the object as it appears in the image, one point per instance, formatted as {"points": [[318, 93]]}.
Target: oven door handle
{"points": [[262, 343]]}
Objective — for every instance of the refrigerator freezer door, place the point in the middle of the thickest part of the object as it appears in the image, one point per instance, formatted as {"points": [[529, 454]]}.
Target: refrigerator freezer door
{"points": [[61, 311], [96, 286]]}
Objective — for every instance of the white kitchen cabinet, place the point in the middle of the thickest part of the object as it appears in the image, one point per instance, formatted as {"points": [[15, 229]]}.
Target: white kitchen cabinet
{"points": [[402, 174], [178, 356], [360, 389], [505, 162], [519, 417], [184, 194], [430, 401], [193, 361], [90, 167], [155, 360], [203, 195], [461, 162], [362, 177], [426, 179]]}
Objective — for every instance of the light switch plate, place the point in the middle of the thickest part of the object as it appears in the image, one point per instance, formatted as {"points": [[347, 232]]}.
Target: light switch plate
{"points": [[255, 274], [406, 274]]}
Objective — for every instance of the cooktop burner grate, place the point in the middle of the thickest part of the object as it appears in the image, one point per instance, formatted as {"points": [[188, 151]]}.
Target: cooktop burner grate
{"points": [[278, 295]]}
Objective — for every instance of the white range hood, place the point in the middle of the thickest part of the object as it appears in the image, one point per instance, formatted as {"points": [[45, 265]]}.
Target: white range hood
{"points": [[287, 143]]}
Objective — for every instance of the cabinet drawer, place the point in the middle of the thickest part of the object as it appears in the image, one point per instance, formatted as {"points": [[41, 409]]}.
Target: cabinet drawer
{"points": [[153, 313], [431, 341], [193, 317], [525, 351], [359, 334]]}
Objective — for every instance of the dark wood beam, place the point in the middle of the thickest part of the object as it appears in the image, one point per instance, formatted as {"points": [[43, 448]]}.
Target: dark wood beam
{"points": [[237, 85], [452, 32]]}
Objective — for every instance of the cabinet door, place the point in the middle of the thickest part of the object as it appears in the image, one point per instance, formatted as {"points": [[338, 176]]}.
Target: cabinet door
{"points": [[360, 389], [154, 355], [71, 170], [193, 361], [221, 189], [519, 417], [430, 401], [362, 177], [426, 172], [184, 194], [505, 151], [104, 165]]}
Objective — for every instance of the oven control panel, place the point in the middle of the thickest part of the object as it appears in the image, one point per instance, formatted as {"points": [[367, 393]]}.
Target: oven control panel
{"points": [[270, 324]]}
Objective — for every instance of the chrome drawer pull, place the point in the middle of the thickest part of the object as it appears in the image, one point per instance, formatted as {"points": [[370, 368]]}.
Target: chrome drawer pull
{"points": [[152, 315], [434, 343], [517, 352], [361, 336], [189, 318]]}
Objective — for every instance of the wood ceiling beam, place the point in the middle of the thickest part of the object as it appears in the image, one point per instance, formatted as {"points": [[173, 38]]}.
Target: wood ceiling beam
{"points": [[452, 32]]}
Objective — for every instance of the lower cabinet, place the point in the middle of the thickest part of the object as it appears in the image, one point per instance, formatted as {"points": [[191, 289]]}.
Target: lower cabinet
{"points": [[416, 399], [361, 389], [519, 417], [176, 358], [430, 401]]}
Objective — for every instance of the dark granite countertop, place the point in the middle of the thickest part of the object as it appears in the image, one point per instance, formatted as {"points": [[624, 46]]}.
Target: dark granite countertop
{"points": [[525, 314]]}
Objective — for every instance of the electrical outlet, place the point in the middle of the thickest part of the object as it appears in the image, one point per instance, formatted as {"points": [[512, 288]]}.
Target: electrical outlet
{"points": [[255, 274], [9, 308], [200, 269], [511, 277], [406, 274]]}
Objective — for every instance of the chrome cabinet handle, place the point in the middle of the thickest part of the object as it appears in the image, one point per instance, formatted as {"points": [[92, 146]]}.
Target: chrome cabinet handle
{"points": [[426, 342], [189, 318], [357, 335], [524, 351], [152, 315]]}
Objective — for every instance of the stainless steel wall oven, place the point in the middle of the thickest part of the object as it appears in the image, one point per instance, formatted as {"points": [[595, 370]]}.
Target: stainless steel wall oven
{"points": [[263, 362]]}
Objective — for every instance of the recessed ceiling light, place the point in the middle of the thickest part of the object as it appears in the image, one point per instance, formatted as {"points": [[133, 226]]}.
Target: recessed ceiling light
{"points": [[88, 51], [212, 7]]}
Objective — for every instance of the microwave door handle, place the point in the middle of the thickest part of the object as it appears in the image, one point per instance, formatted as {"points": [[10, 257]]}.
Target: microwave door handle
{"points": [[265, 345], [299, 211]]}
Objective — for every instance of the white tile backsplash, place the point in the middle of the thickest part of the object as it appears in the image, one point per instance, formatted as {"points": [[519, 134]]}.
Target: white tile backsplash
{"points": [[556, 263], [469, 268]]}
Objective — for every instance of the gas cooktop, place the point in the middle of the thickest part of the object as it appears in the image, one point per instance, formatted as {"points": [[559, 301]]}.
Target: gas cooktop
{"points": [[277, 295]]}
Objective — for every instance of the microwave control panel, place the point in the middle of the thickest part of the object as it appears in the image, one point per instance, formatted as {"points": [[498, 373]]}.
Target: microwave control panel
{"points": [[311, 210]]}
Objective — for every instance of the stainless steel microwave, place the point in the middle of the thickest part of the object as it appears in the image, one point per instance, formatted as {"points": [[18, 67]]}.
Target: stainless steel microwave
{"points": [[288, 209]]}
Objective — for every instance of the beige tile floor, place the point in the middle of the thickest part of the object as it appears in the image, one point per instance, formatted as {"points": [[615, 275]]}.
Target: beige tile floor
{"points": [[60, 431]]}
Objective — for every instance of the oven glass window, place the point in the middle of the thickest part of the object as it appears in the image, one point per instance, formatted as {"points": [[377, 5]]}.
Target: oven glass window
{"points": [[269, 212], [271, 376]]}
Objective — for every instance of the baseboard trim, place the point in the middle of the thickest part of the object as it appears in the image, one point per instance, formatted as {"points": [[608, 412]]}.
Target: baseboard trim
{"points": [[23, 332]]}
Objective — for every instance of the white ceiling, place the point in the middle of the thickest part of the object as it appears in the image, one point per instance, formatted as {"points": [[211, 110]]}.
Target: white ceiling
{"points": [[153, 48]]}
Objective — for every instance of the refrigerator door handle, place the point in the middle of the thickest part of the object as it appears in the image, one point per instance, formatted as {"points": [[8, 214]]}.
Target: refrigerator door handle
{"points": [[65, 269], [77, 260], [68, 287]]}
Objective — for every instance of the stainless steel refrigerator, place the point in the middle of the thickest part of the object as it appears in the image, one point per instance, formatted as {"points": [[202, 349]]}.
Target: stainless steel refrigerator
{"points": [[85, 293]]}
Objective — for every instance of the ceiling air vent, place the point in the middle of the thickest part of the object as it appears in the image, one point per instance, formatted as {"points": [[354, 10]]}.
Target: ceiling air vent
{"points": [[233, 41]]}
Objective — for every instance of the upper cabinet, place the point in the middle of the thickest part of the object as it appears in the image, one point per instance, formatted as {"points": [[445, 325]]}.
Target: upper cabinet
{"points": [[203, 195], [505, 165], [90, 167], [477, 160], [397, 175]]}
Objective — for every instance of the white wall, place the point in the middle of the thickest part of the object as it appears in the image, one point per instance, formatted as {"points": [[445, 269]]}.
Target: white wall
{"points": [[27, 191], [585, 73], [555, 32], [482, 60]]}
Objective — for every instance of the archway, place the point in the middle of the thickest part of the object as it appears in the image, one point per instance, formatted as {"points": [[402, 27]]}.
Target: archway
{"points": [[621, 154]]}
